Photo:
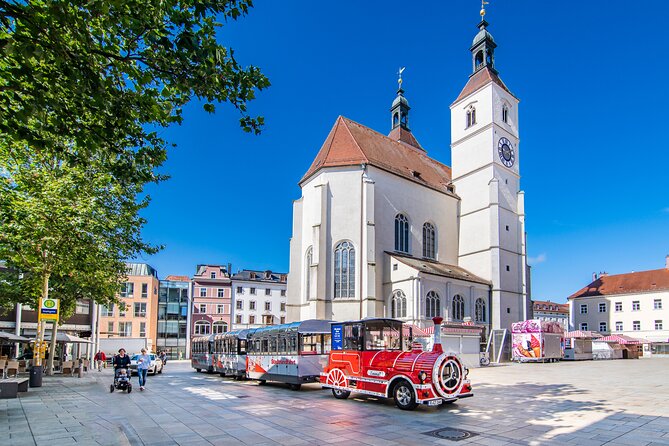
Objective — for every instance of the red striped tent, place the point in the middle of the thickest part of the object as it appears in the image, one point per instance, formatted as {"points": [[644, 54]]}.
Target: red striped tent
{"points": [[417, 331], [623, 340], [582, 334]]}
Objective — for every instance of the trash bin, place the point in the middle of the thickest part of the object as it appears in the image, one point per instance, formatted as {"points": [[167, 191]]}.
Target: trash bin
{"points": [[36, 376]]}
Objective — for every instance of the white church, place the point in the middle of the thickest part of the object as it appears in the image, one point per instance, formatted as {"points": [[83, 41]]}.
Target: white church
{"points": [[384, 230]]}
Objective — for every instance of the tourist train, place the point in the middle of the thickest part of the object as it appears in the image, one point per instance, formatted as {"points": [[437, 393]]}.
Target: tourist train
{"points": [[370, 356]]}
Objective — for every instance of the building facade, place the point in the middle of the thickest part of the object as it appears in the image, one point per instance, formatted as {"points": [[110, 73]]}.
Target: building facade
{"points": [[633, 304], [137, 314], [174, 315], [259, 298], [383, 229], [212, 300], [546, 310]]}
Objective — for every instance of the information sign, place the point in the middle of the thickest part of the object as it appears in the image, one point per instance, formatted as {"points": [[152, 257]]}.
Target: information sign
{"points": [[48, 308], [337, 338]]}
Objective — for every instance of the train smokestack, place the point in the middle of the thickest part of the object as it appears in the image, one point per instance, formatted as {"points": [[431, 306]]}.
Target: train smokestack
{"points": [[437, 334]]}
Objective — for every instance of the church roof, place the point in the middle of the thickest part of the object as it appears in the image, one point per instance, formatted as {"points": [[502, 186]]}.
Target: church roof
{"points": [[630, 283], [438, 269], [350, 144], [479, 80], [401, 134]]}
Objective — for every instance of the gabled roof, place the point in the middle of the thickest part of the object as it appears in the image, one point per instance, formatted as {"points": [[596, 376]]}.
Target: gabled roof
{"points": [[438, 268], [630, 283], [350, 144], [479, 80], [174, 278], [401, 134], [260, 276]]}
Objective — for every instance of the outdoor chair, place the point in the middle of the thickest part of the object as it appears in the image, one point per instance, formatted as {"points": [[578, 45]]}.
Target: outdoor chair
{"points": [[67, 368], [3, 363], [75, 366], [23, 365], [12, 369], [87, 365]]}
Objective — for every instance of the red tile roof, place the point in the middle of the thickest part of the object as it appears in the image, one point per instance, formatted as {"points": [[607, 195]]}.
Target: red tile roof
{"points": [[403, 135], [547, 305], [350, 144], [639, 282], [178, 278], [479, 80]]}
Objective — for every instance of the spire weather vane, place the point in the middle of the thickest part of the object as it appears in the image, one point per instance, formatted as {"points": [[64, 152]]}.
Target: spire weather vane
{"points": [[399, 79], [483, 3]]}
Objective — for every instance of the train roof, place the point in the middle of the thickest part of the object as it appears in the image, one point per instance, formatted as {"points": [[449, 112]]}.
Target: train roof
{"points": [[240, 334], [308, 326], [370, 319]]}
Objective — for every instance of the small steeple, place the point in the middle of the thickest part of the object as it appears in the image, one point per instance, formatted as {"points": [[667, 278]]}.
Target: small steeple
{"points": [[399, 111], [483, 47]]}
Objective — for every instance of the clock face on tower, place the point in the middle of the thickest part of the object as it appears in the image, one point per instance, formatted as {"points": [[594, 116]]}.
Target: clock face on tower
{"points": [[506, 154]]}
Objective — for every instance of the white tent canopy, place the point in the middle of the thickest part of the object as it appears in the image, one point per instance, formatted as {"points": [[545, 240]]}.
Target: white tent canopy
{"points": [[64, 337], [11, 337]]}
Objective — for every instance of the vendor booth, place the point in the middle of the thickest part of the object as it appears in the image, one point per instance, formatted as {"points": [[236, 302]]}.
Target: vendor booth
{"points": [[630, 348], [537, 340], [578, 344], [465, 339]]}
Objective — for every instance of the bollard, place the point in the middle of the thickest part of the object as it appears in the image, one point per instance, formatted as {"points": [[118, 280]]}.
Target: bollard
{"points": [[81, 368]]}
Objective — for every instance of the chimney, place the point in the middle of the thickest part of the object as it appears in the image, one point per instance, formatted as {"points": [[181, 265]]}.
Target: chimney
{"points": [[437, 334], [594, 276]]}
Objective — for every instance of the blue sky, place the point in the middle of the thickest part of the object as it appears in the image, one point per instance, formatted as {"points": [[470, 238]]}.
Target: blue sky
{"points": [[591, 77]]}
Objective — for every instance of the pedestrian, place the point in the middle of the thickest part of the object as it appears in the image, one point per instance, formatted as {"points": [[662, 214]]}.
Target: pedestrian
{"points": [[100, 359], [143, 363], [163, 357], [121, 361]]}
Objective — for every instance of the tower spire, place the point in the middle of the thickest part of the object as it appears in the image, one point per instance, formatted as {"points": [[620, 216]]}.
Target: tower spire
{"points": [[483, 46], [399, 111]]}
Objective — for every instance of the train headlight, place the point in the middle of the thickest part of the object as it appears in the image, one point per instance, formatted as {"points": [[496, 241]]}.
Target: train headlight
{"points": [[422, 376]]}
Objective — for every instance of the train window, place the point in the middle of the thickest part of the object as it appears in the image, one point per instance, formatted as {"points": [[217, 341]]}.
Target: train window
{"points": [[264, 346], [353, 337], [327, 338], [292, 344], [282, 345], [242, 346], [380, 335], [273, 344], [309, 345]]}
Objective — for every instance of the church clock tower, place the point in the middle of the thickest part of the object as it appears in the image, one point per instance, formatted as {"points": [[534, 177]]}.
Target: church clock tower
{"points": [[486, 175]]}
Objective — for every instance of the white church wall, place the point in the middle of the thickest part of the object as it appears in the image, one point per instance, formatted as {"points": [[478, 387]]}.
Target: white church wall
{"points": [[483, 102], [475, 187]]}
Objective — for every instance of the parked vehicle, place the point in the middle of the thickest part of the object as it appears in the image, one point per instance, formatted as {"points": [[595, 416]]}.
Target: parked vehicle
{"points": [[155, 366], [201, 353], [229, 353]]}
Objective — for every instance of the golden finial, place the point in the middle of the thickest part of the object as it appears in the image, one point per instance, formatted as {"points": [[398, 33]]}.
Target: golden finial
{"points": [[483, 3], [399, 79]]}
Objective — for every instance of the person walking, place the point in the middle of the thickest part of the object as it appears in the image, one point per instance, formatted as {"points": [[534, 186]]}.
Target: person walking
{"points": [[121, 361], [143, 363], [163, 357], [100, 359]]}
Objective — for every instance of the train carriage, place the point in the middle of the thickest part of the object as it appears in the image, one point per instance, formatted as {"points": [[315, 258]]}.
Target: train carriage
{"points": [[201, 353], [230, 353], [292, 353], [375, 357]]}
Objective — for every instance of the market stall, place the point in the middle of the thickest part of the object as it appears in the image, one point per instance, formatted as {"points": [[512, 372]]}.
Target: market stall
{"points": [[578, 344], [536, 340], [465, 339], [630, 348]]}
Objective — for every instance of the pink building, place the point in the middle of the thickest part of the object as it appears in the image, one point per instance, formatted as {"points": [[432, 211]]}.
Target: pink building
{"points": [[212, 300]]}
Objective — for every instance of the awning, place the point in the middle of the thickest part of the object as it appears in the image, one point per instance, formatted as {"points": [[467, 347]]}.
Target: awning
{"points": [[582, 334], [11, 337], [623, 340], [66, 338], [417, 332]]}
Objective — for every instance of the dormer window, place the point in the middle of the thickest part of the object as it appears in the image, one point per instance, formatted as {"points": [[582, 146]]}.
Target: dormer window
{"points": [[505, 114], [471, 116], [213, 275]]}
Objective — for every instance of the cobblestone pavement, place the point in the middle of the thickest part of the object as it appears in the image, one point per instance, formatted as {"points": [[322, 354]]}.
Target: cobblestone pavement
{"points": [[571, 403]]}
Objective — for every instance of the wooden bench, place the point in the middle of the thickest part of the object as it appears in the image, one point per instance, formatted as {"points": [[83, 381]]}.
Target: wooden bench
{"points": [[10, 387]]}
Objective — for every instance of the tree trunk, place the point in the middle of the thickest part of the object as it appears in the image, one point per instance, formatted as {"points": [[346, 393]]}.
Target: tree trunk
{"points": [[52, 348]]}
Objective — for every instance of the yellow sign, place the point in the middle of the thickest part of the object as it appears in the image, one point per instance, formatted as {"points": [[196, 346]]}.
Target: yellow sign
{"points": [[48, 309]]}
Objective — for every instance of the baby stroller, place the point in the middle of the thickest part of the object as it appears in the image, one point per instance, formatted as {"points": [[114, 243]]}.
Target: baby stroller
{"points": [[121, 381]]}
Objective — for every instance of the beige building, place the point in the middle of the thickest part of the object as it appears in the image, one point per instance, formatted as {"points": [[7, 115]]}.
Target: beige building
{"points": [[139, 315], [633, 304]]}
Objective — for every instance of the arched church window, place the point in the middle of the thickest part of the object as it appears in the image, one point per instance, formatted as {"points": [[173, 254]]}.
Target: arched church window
{"points": [[471, 116], [432, 305], [505, 113], [404, 119], [458, 310], [401, 233], [479, 59], [479, 310], [396, 119], [429, 241], [344, 270], [488, 57], [398, 304], [307, 271]]}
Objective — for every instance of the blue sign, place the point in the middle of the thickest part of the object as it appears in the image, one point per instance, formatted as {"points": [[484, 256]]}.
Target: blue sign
{"points": [[337, 337]]}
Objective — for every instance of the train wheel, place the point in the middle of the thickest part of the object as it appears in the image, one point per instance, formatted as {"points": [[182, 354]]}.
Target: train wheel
{"points": [[198, 370], [404, 396], [341, 394], [261, 382], [294, 386]]}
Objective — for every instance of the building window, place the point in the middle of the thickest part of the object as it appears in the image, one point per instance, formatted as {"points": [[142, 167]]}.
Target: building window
{"points": [[127, 289], [220, 309], [479, 311], [240, 290], [401, 233], [212, 275], [203, 308], [619, 306], [268, 306], [283, 319], [125, 329], [471, 116], [307, 271], [458, 312], [220, 327], [432, 305], [283, 293], [584, 309], [429, 241], [202, 328], [657, 304], [252, 319], [238, 318], [602, 326], [107, 310], [268, 319], [145, 290], [602, 307], [584, 326], [636, 325], [268, 292], [121, 310], [658, 325], [220, 292], [636, 306], [505, 114], [398, 304], [142, 329], [140, 310], [344, 270], [283, 306], [110, 328], [239, 305], [253, 291], [83, 307], [203, 292], [252, 305], [619, 326]]}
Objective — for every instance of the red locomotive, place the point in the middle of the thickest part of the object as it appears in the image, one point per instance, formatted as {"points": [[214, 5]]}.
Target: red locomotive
{"points": [[372, 356]]}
